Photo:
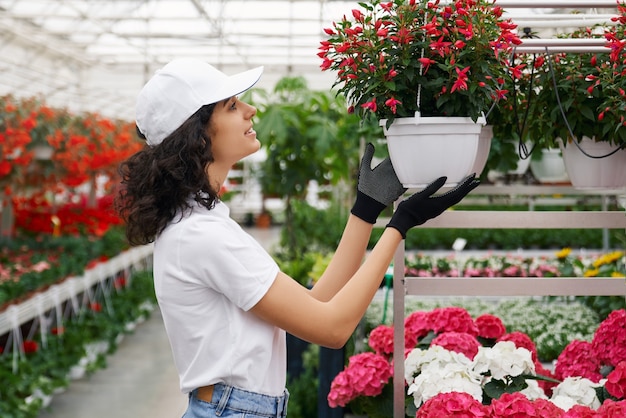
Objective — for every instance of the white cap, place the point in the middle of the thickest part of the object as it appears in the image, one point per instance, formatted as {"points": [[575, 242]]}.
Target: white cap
{"points": [[179, 89]]}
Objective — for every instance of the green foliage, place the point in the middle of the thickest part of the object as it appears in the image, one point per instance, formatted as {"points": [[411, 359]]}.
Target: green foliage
{"points": [[312, 230], [297, 268], [303, 389], [504, 239], [307, 136], [603, 305]]}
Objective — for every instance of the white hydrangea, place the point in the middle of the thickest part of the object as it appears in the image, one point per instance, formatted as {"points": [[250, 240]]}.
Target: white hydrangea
{"points": [[503, 359], [438, 376], [533, 391], [576, 391], [435, 354]]}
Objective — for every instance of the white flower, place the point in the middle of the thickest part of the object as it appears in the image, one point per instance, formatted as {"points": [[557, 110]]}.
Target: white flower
{"points": [[563, 402], [533, 391], [576, 391], [438, 377], [435, 354], [503, 359]]}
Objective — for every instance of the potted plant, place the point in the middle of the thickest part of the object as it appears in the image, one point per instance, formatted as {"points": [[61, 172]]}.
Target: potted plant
{"points": [[583, 94], [405, 62]]}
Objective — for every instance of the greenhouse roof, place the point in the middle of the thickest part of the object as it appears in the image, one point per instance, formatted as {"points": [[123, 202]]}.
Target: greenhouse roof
{"points": [[95, 55]]}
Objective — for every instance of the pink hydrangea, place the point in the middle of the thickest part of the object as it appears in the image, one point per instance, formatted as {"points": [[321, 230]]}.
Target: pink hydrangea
{"points": [[521, 340], [546, 409], [580, 411], [341, 391], [381, 340], [416, 326], [452, 319], [616, 381], [578, 359], [609, 340], [366, 375], [512, 405], [612, 409], [460, 342], [490, 326], [452, 404]]}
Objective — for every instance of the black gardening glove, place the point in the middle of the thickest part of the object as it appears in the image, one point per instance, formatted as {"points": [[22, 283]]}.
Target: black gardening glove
{"points": [[423, 206], [376, 189]]}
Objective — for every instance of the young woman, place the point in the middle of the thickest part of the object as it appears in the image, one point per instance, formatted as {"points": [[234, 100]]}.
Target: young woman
{"points": [[225, 303]]}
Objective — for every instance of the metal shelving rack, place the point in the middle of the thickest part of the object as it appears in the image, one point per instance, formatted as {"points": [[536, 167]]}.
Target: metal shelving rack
{"points": [[47, 303], [500, 286]]}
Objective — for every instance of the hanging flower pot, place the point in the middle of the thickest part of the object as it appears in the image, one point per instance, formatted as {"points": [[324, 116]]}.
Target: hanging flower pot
{"points": [[422, 149], [605, 172], [484, 146], [550, 168]]}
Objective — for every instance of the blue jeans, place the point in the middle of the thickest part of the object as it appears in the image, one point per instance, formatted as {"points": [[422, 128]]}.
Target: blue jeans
{"points": [[231, 402]]}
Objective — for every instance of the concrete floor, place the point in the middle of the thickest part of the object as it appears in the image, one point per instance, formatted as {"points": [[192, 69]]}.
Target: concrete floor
{"points": [[140, 380]]}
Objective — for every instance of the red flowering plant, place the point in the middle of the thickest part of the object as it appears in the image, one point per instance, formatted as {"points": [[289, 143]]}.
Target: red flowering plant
{"points": [[584, 93], [456, 366], [396, 58], [611, 82]]}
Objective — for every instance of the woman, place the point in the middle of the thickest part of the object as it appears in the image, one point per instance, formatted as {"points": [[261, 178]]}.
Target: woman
{"points": [[225, 303]]}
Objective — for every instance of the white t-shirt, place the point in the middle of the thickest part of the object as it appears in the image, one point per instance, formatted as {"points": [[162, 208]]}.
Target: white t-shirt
{"points": [[208, 273]]}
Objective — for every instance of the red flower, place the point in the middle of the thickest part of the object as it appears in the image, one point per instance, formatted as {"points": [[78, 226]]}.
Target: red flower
{"points": [[616, 381], [30, 346], [580, 411], [371, 105], [416, 326], [358, 16], [95, 306], [5, 168], [578, 359], [609, 340], [452, 319], [366, 374], [426, 62], [381, 340], [611, 409], [512, 405], [461, 80], [453, 404], [546, 409], [490, 326], [459, 342], [393, 103], [57, 331]]}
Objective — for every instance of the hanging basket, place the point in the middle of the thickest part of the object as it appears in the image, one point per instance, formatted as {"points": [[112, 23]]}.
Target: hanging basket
{"points": [[423, 149], [589, 173], [550, 168]]}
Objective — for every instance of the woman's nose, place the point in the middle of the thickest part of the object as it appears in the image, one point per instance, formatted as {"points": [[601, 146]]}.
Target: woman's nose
{"points": [[251, 111]]}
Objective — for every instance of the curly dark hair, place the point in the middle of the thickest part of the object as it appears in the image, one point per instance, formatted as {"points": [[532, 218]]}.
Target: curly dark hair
{"points": [[157, 182]]}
